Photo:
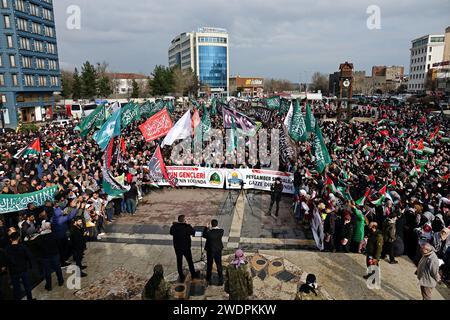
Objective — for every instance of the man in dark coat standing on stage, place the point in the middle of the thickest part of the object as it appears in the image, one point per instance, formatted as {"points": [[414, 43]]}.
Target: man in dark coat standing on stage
{"points": [[277, 192], [213, 248], [182, 233]]}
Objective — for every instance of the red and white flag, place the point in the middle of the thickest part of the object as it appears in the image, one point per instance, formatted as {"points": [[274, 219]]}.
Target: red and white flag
{"points": [[157, 126]]}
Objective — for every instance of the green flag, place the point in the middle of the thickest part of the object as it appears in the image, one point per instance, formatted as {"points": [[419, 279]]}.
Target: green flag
{"points": [[214, 107], [321, 151], [206, 120], [310, 120], [233, 137], [109, 130], [284, 107], [18, 202], [169, 106], [273, 103], [95, 119], [297, 129], [146, 109], [422, 162], [379, 202], [130, 113]]}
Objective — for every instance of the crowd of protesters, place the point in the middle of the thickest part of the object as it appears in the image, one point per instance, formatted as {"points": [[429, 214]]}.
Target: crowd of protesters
{"points": [[365, 157], [400, 161]]}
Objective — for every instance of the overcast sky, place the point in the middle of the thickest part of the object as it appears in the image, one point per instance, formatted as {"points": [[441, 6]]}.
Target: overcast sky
{"points": [[282, 39]]}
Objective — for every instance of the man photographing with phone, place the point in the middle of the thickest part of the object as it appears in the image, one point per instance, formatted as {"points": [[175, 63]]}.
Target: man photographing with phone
{"points": [[182, 233], [213, 247]]}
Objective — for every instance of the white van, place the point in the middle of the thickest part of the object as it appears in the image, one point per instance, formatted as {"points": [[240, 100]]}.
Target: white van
{"points": [[88, 109], [77, 111]]}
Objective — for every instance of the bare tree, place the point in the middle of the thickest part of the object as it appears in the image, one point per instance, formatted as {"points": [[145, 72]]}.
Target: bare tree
{"points": [[184, 82], [319, 81], [277, 85]]}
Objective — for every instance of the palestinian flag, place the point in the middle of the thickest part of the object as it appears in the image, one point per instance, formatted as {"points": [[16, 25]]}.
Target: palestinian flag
{"points": [[330, 185], [54, 148], [122, 146], [394, 183], [153, 185], [109, 152], [111, 185], [420, 168], [361, 201], [445, 178], [357, 141], [32, 149], [445, 140], [307, 173], [422, 162], [80, 154]]}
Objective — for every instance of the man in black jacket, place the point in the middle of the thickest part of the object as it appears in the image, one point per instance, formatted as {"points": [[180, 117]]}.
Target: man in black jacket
{"points": [[18, 259], [77, 240], [213, 248], [49, 255], [182, 232], [277, 191]]}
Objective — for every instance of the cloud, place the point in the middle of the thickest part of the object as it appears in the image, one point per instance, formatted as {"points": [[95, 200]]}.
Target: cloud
{"points": [[282, 39]]}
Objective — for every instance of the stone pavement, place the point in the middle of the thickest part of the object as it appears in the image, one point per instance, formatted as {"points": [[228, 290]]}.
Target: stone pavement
{"points": [[133, 246], [339, 274]]}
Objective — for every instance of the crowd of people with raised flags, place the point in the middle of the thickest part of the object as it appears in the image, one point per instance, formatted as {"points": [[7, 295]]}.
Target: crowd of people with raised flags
{"points": [[391, 170]]}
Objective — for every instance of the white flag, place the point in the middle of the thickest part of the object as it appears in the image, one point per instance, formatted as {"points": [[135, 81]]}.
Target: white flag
{"points": [[181, 130], [288, 119]]}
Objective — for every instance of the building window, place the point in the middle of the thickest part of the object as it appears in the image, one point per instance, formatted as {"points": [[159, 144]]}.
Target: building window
{"points": [[47, 14], [36, 27], [428, 67], [431, 49], [4, 4], [9, 40], [40, 63], [51, 48], [39, 46], [1, 61], [27, 62], [7, 22], [22, 24], [12, 61], [34, 10], [429, 57], [54, 81], [2, 79], [15, 80], [29, 80], [42, 81], [25, 44], [52, 64], [20, 5], [49, 32]]}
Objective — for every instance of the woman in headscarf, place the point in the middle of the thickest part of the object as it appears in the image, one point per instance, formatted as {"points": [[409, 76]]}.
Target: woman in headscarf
{"points": [[157, 288], [239, 281]]}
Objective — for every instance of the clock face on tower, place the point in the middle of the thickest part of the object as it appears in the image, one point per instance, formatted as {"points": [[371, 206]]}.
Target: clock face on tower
{"points": [[346, 83]]}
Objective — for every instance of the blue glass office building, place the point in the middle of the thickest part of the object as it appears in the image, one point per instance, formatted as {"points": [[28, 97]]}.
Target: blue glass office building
{"points": [[206, 53], [213, 66], [29, 66]]}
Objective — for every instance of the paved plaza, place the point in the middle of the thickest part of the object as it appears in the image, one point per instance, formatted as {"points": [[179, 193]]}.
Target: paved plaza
{"points": [[121, 263]]}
